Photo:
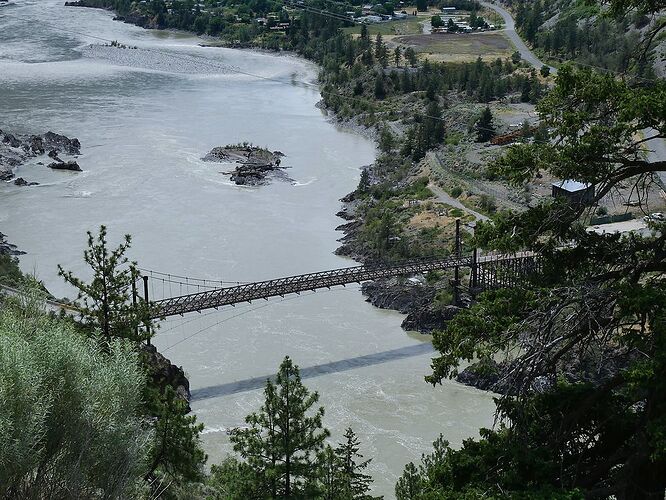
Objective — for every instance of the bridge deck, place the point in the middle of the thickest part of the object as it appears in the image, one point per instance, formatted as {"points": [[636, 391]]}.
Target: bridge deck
{"points": [[296, 284]]}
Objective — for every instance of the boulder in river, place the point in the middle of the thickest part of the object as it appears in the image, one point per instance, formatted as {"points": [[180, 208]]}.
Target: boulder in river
{"points": [[60, 142], [16, 150], [65, 165], [22, 182]]}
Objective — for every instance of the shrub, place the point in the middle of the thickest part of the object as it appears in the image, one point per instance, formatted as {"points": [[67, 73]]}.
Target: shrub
{"points": [[68, 419]]}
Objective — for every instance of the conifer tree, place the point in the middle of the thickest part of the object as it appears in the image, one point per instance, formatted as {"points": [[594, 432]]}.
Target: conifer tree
{"points": [[410, 55], [484, 126], [107, 303], [364, 182], [354, 483], [397, 56], [285, 439], [379, 45]]}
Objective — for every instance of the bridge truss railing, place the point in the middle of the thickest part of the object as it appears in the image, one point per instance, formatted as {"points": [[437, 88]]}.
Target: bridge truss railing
{"points": [[296, 284]]}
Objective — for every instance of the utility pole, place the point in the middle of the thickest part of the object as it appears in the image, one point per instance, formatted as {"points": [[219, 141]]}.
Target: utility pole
{"points": [[136, 328], [475, 270], [145, 296], [456, 278]]}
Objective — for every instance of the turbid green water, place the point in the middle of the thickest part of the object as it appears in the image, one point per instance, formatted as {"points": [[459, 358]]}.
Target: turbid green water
{"points": [[144, 119]]}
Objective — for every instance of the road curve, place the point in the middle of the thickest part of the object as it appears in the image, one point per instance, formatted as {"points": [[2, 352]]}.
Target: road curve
{"points": [[656, 147], [512, 34]]}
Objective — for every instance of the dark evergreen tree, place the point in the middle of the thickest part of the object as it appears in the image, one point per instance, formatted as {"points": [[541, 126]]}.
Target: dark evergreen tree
{"points": [[485, 129], [107, 299], [354, 483], [284, 440]]}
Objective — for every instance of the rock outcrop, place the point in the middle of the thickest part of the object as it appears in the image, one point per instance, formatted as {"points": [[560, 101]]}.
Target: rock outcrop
{"points": [[16, 150], [20, 181], [164, 373], [429, 318], [254, 166], [65, 165], [596, 366], [7, 248]]}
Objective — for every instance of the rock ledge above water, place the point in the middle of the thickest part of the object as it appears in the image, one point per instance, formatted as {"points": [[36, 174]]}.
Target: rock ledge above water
{"points": [[254, 166]]}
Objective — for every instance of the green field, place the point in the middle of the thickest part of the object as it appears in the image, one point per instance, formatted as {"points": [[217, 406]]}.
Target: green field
{"points": [[409, 26], [457, 47]]}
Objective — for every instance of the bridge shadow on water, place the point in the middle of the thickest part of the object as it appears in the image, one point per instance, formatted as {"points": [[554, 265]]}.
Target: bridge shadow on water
{"points": [[343, 365]]}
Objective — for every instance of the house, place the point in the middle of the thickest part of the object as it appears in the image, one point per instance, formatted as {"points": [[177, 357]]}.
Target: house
{"points": [[576, 193]]}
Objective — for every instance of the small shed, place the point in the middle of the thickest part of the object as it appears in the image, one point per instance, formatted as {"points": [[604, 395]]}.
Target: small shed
{"points": [[576, 193]]}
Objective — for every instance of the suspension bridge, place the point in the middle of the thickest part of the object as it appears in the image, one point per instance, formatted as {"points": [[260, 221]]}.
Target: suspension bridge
{"points": [[486, 272]]}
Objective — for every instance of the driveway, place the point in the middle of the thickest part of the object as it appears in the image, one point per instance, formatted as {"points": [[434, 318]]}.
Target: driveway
{"points": [[444, 197]]}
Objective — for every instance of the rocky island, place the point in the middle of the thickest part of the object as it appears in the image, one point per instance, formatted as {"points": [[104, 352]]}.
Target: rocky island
{"points": [[254, 166], [15, 150]]}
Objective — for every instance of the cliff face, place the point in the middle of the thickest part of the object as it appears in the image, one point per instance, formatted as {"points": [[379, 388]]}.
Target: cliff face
{"points": [[164, 373]]}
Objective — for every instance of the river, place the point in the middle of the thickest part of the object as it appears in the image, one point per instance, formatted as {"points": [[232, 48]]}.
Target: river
{"points": [[145, 117]]}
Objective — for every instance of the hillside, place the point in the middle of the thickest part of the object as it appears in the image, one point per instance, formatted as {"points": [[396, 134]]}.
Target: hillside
{"points": [[590, 34]]}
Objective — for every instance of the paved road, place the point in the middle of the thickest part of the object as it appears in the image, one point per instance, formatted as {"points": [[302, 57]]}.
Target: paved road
{"points": [[510, 31], [630, 226]]}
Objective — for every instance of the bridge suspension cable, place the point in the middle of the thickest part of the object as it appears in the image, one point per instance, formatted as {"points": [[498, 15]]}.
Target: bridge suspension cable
{"points": [[189, 280]]}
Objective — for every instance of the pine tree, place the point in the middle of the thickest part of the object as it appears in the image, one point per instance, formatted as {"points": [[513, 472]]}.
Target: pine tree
{"points": [[409, 485], [176, 449], [386, 140], [410, 55], [107, 303], [364, 182], [379, 45], [329, 475], [397, 56], [283, 441], [380, 88], [365, 38], [353, 482], [484, 126]]}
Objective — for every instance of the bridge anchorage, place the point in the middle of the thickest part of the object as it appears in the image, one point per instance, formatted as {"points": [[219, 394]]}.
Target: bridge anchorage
{"points": [[486, 272]]}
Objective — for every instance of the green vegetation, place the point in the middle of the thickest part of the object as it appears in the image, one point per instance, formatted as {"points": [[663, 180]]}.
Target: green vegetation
{"points": [[598, 298], [10, 274], [283, 442], [410, 26], [173, 452], [70, 418], [484, 126], [585, 32], [82, 417], [107, 303]]}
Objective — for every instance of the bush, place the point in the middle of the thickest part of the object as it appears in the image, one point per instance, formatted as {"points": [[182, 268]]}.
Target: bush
{"points": [[456, 191], [68, 419], [487, 203]]}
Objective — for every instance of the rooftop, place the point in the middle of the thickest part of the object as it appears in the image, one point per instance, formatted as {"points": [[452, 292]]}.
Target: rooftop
{"points": [[571, 185]]}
